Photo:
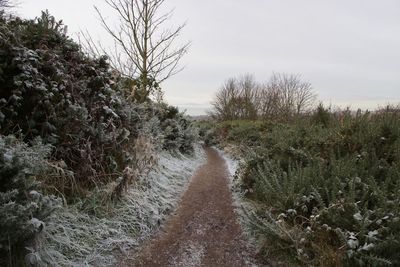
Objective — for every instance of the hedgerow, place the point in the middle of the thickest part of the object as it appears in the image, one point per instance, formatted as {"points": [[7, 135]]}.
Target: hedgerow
{"points": [[93, 134], [78, 104], [325, 190]]}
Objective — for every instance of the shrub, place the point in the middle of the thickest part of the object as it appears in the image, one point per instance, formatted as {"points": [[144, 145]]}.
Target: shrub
{"points": [[327, 194], [23, 207], [177, 130], [207, 132], [97, 141], [322, 116], [52, 90]]}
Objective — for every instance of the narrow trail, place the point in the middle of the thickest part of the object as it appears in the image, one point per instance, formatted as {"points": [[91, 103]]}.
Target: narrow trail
{"points": [[204, 230]]}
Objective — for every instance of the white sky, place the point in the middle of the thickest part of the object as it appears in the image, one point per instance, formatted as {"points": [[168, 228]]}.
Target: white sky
{"points": [[348, 49]]}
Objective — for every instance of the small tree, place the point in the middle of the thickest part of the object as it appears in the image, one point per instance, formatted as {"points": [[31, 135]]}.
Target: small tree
{"points": [[224, 106], [237, 99], [144, 51], [249, 100], [268, 99], [294, 95]]}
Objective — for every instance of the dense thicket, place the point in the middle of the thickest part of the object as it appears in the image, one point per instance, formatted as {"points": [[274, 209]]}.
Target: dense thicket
{"points": [[325, 189], [51, 89], [91, 133]]}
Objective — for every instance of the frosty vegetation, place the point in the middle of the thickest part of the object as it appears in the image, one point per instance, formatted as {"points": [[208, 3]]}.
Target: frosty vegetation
{"points": [[78, 157], [322, 190], [76, 238]]}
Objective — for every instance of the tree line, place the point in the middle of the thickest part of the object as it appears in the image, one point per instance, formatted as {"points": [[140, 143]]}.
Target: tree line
{"points": [[284, 96]]}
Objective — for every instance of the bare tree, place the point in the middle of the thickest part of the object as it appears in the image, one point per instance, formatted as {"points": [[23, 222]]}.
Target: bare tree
{"points": [[248, 101], [225, 103], [5, 4], [144, 51], [237, 99], [269, 100], [283, 97], [304, 98], [294, 95]]}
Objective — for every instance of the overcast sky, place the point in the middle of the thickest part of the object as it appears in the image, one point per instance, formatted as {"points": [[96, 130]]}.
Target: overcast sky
{"points": [[348, 49]]}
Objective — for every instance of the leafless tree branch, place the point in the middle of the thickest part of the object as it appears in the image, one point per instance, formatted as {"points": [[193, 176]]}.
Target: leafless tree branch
{"points": [[283, 97], [143, 48]]}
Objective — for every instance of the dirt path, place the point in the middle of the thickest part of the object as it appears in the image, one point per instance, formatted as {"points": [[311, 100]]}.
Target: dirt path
{"points": [[204, 230]]}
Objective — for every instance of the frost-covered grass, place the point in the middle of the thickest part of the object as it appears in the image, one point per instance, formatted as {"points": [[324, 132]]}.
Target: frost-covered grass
{"points": [[242, 205], [190, 254], [233, 163], [75, 238]]}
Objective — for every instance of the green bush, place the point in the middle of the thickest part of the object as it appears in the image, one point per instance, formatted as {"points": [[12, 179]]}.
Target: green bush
{"points": [[240, 132], [327, 193], [178, 133], [207, 132], [322, 116]]}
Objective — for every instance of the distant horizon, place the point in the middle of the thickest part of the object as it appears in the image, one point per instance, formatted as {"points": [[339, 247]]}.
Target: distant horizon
{"points": [[200, 110], [196, 111], [348, 50]]}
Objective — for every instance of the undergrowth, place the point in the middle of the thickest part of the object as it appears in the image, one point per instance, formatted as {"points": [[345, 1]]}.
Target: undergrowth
{"points": [[100, 235], [325, 189]]}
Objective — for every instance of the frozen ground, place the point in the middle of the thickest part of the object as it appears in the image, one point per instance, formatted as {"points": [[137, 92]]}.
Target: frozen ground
{"points": [[74, 238], [232, 165], [204, 230], [241, 205]]}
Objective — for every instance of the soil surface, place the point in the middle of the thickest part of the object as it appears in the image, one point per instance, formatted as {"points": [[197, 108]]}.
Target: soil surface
{"points": [[204, 230]]}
